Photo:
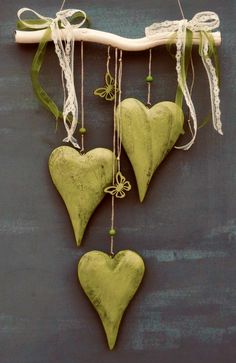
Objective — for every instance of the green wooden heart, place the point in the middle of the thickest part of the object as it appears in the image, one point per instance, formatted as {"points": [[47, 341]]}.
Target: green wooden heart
{"points": [[81, 180], [110, 283], [148, 135]]}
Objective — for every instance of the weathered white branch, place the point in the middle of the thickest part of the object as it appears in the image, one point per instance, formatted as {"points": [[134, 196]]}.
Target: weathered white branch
{"points": [[96, 36]]}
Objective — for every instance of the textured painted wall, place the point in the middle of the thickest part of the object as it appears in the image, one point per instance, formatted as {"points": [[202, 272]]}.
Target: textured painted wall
{"points": [[185, 229]]}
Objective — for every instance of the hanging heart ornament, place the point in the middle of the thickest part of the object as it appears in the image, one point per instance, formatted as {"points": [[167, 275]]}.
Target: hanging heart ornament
{"points": [[148, 134], [81, 179], [110, 283]]}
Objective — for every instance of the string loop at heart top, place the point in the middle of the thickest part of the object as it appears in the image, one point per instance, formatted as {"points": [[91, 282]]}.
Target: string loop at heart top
{"points": [[65, 53], [203, 22]]}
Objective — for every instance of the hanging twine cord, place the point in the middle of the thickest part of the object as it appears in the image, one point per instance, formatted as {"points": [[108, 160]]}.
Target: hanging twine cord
{"points": [[117, 177], [114, 156], [108, 58], [82, 129], [62, 5], [119, 128], [149, 78], [181, 9]]}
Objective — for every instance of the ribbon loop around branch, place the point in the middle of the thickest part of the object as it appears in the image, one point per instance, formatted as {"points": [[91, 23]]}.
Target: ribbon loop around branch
{"points": [[204, 23], [65, 53], [28, 24], [66, 17]]}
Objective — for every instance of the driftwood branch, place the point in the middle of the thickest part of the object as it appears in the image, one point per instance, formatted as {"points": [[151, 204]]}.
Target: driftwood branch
{"points": [[96, 36]]}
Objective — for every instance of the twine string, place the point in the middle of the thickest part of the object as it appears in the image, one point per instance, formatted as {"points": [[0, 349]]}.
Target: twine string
{"points": [[117, 135], [82, 95], [149, 75], [62, 5], [181, 9], [114, 152], [119, 129], [108, 59]]}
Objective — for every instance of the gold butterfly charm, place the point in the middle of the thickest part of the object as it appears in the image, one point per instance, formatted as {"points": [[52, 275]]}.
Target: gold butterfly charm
{"points": [[109, 90], [120, 187]]}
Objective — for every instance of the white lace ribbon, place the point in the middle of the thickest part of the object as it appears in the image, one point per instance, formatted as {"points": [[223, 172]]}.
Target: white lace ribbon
{"points": [[201, 22], [64, 49]]}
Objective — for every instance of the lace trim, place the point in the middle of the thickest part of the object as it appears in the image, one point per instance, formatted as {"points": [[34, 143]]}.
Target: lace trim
{"points": [[201, 22], [65, 53]]}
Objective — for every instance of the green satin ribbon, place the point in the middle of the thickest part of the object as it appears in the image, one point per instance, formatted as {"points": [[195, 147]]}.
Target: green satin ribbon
{"points": [[21, 26], [37, 63], [185, 61]]}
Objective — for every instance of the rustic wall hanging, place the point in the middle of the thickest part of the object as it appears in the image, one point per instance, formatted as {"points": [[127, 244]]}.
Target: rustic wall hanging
{"points": [[147, 133]]}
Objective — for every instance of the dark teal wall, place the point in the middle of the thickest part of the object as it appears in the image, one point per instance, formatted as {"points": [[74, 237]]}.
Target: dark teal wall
{"points": [[185, 311]]}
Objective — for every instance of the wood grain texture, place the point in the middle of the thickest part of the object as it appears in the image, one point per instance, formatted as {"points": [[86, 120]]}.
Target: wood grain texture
{"points": [[185, 311], [110, 283], [81, 181], [148, 135]]}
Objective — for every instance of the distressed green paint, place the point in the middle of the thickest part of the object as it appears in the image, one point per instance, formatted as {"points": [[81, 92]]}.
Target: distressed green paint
{"points": [[110, 283], [148, 135], [81, 180]]}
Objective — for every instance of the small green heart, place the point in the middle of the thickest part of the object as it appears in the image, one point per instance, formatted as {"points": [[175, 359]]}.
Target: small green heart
{"points": [[110, 283], [148, 135], [81, 180]]}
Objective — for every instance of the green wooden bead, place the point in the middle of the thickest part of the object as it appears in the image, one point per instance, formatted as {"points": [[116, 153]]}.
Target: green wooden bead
{"points": [[112, 232], [149, 79], [82, 130]]}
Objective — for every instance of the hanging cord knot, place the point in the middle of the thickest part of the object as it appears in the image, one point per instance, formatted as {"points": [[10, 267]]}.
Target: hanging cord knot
{"points": [[64, 48], [203, 22]]}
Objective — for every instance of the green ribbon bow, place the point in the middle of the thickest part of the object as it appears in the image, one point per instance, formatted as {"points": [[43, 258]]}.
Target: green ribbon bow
{"points": [[39, 24]]}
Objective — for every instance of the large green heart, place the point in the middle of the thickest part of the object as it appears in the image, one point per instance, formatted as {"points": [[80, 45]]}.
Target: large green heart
{"points": [[81, 180], [110, 283], [148, 135]]}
